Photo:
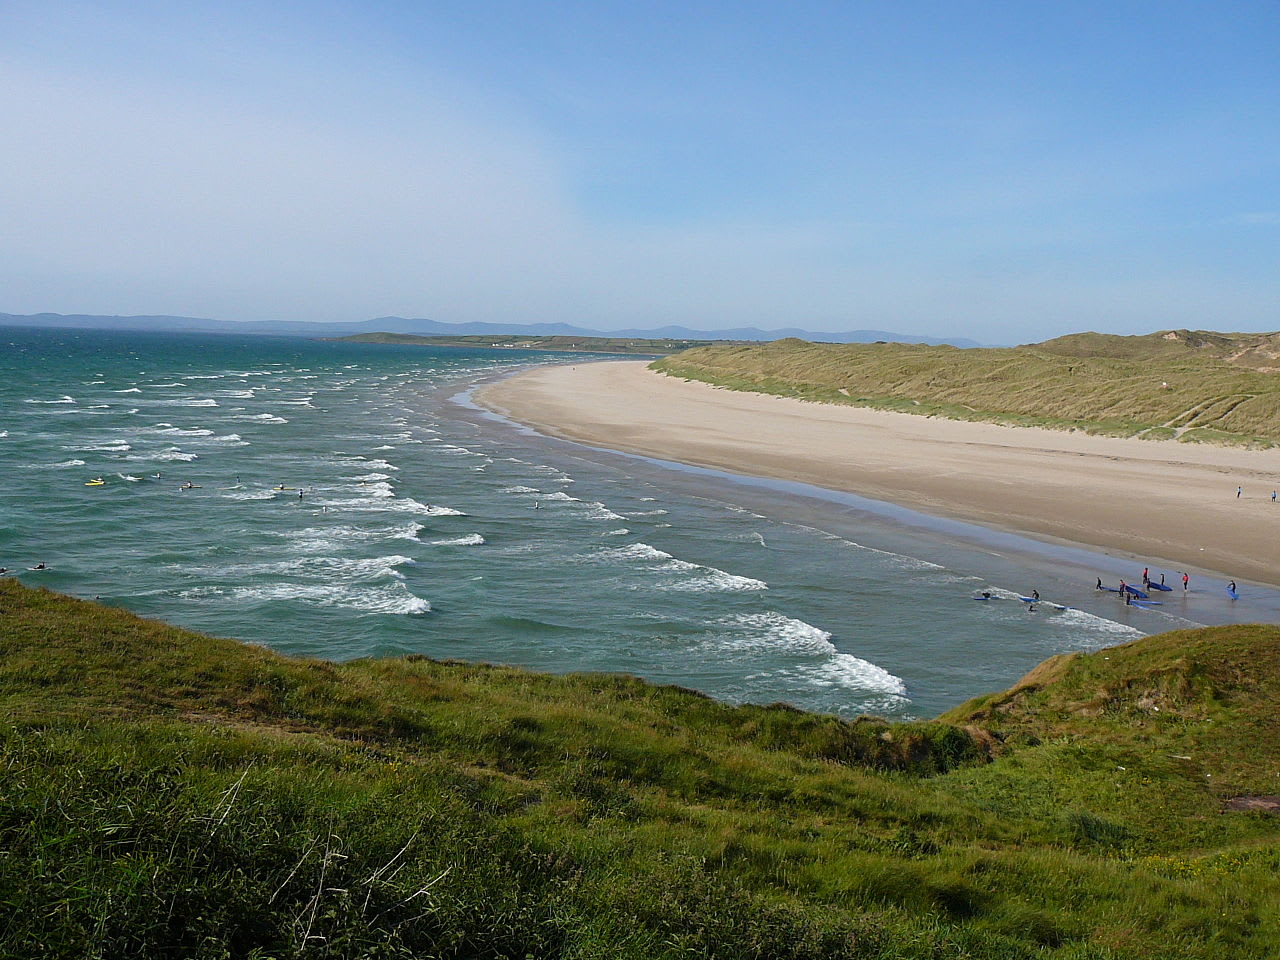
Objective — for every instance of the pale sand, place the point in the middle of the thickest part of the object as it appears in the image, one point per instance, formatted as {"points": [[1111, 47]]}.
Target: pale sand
{"points": [[1161, 499]]}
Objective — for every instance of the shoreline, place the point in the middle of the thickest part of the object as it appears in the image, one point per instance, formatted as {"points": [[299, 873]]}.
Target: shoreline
{"points": [[1159, 499]]}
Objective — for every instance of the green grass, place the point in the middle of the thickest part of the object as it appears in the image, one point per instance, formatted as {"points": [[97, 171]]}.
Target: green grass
{"points": [[170, 794], [1215, 387]]}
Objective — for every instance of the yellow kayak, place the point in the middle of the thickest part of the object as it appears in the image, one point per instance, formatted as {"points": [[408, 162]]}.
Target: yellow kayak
{"points": [[95, 483]]}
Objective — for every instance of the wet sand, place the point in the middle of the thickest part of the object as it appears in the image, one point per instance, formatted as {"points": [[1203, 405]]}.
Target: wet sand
{"points": [[1169, 501]]}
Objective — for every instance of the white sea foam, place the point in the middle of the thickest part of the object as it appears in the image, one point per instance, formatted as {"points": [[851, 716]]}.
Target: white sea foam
{"points": [[632, 551], [159, 385], [1110, 630], [394, 599], [393, 505], [232, 394], [68, 463], [131, 479], [168, 429], [63, 399], [370, 477], [620, 532], [772, 632], [186, 402], [107, 446], [127, 390], [249, 494], [260, 418], [169, 454], [471, 540], [646, 513], [694, 577], [707, 579], [518, 489]]}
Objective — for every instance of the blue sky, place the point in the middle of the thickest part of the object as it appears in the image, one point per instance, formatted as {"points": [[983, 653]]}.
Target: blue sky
{"points": [[1005, 171]]}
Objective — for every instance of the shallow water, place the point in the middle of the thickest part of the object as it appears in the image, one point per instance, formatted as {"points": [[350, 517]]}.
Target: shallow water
{"points": [[427, 526]]}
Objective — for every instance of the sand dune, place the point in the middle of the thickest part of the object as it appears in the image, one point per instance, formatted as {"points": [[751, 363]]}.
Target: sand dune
{"points": [[1164, 500]]}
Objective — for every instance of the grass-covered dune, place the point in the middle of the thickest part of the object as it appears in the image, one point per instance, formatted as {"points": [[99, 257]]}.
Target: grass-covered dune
{"points": [[167, 794], [1189, 385]]}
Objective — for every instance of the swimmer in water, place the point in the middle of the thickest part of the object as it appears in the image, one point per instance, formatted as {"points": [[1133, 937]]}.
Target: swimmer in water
{"points": [[39, 566]]}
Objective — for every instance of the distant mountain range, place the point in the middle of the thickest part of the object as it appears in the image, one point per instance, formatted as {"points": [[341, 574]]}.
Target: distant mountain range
{"points": [[424, 327]]}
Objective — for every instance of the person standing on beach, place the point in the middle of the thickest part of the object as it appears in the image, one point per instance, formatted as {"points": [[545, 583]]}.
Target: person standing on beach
{"points": [[1146, 575], [1273, 496], [1185, 580], [1239, 490]]}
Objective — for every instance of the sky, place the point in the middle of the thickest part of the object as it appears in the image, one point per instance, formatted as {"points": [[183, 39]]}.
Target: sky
{"points": [[1005, 171]]}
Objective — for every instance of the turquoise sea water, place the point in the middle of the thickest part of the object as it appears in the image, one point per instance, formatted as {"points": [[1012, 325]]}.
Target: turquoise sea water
{"points": [[426, 526]]}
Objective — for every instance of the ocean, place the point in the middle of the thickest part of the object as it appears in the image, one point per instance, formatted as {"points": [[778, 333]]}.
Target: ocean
{"points": [[348, 500]]}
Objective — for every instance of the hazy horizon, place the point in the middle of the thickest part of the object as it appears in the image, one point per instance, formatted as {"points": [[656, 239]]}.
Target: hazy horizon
{"points": [[948, 170]]}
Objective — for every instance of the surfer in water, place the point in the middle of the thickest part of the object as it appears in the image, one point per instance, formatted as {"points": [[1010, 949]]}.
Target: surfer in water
{"points": [[187, 486], [299, 494], [39, 566]]}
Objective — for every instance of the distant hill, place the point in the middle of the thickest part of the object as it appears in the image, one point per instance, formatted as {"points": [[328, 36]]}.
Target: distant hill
{"points": [[1193, 386], [630, 345], [424, 327]]}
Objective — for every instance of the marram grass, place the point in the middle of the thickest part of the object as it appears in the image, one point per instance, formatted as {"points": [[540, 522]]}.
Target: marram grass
{"points": [[167, 794], [1195, 387]]}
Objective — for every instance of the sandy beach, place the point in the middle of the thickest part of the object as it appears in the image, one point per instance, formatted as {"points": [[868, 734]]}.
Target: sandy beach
{"points": [[1163, 500]]}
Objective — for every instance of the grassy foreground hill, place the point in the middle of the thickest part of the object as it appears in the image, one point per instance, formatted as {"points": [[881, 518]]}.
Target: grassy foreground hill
{"points": [[566, 344], [1195, 386], [168, 794]]}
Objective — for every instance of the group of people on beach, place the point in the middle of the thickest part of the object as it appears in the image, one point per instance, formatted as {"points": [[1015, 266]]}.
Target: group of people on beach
{"points": [[1240, 493]]}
